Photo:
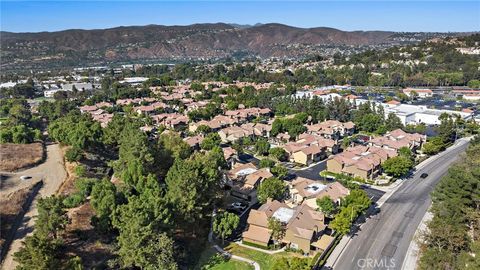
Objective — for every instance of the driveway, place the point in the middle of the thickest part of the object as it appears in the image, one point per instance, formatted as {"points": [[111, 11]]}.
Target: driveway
{"points": [[53, 173], [312, 172]]}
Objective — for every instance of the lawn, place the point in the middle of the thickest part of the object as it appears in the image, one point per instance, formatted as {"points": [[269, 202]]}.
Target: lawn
{"points": [[265, 260], [208, 260]]}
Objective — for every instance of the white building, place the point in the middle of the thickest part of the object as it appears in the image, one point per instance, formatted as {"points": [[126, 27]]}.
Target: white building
{"points": [[422, 93], [471, 97], [416, 114], [78, 86], [134, 80]]}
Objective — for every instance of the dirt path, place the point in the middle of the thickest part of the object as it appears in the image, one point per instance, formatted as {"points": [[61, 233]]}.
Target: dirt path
{"points": [[53, 173]]}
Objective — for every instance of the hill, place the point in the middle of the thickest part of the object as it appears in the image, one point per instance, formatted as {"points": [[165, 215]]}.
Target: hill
{"points": [[199, 41]]}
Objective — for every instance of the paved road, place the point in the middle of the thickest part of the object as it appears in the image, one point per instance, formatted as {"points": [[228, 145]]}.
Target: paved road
{"points": [[382, 242], [53, 173], [312, 172]]}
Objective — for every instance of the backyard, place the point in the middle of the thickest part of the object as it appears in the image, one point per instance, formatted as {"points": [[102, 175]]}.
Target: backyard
{"points": [[266, 261], [212, 260]]}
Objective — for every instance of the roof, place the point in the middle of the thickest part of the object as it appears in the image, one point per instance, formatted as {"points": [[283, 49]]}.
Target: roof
{"points": [[242, 169], [307, 187], [257, 233], [324, 242], [257, 217], [284, 214], [258, 175], [334, 191], [305, 221]]}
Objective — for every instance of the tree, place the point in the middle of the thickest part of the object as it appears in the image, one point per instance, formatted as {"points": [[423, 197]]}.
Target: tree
{"points": [[272, 188], [20, 114], [192, 187], [278, 153], [343, 220], [406, 152], [51, 218], [326, 205], [225, 224], [262, 146], [278, 229], [433, 146], [142, 224], [292, 263], [175, 145], [447, 128], [203, 129], [279, 171], [474, 84], [39, 253], [73, 154], [397, 166], [267, 163], [393, 122], [145, 248], [76, 130], [103, 201], [210, 141]]}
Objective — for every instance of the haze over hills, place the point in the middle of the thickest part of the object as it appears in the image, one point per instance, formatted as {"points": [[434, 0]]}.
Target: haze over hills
{"points": [[198, 41]]}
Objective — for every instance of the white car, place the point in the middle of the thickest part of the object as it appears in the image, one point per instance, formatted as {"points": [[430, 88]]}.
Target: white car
{"points": [[238, 205]]}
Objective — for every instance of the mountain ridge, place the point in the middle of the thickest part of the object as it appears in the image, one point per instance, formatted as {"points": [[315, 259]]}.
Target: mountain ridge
{"points": [[73, 47]]}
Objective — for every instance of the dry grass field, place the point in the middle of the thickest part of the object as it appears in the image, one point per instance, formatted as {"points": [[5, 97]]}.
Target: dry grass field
{"points": [[18, 156]]}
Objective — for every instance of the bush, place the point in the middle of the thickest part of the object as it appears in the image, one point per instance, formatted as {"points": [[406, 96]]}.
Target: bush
{"points": [[73, 154], [267, 163], [279, 171], [73, 200], [84, 186], [278, 153], [80, 170], [256, 245]]}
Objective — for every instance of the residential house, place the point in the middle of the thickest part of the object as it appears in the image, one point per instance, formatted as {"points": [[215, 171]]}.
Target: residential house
{"points": [[307, 191], [360, 161], [332, 129], [244, 180], [304, 226], [396, 139], [234, 133], [194, 141]]}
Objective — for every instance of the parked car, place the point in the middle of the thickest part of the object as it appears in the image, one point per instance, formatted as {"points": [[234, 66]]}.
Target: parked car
{"points": [[238, 206], [424, 175]]}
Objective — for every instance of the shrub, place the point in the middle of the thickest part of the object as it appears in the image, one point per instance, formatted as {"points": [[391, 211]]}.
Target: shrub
{"points": [[80, 170], [278, 153], [73, 200], [267, 163], [256, 245], [73, 154], [84, 186]]}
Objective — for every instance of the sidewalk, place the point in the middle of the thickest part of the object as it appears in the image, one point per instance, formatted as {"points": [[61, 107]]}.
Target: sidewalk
{"points": [[235, 257], [411, 258]]}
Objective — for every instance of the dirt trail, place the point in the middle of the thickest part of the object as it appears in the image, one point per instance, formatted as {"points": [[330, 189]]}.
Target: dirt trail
{"points": [[53, 173]]}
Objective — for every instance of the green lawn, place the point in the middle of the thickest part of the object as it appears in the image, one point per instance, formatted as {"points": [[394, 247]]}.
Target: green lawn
{"points": [[265, 260], [208, 258], [232, 265]]}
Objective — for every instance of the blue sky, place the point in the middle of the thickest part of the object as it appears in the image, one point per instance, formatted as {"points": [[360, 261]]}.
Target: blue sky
{"points": [[444, 16]]}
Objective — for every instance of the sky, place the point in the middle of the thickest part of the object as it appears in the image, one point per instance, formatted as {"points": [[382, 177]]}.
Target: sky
{"points": [[425, 16]]}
